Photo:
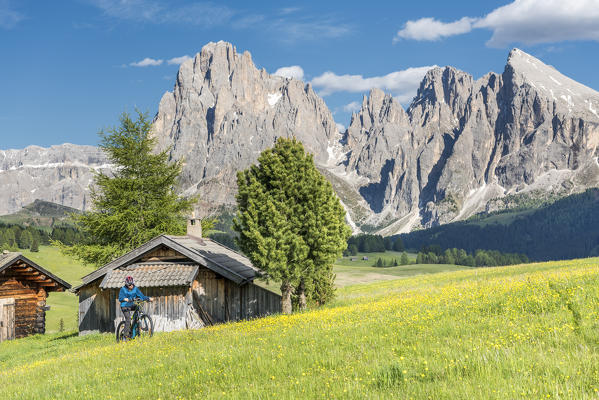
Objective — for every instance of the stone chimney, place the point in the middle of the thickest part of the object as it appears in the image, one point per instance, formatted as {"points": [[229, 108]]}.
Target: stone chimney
{"points": [[194, 226]]}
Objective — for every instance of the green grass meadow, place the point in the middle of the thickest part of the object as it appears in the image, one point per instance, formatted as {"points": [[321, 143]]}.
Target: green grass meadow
{"points": [[527, 331], [387, 256], [63, 305]]}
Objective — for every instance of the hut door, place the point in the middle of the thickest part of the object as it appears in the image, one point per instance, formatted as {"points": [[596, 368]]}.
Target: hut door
{"points": [[7, 319]]}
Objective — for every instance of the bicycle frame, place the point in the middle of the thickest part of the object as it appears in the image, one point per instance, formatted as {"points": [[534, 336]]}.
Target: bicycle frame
{"points": [[135, 318], [136, 328]]}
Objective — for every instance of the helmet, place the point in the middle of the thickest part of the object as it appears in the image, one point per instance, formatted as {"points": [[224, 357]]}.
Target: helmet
{"points": [[129, 280]]}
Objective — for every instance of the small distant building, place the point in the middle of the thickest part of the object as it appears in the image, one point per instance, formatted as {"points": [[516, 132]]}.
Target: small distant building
{"points": [[24, 288], [365, 258], [194, 281]]}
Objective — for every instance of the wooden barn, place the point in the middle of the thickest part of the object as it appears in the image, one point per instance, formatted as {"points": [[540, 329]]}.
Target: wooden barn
{"points": [[24, 287], [194, 281]]}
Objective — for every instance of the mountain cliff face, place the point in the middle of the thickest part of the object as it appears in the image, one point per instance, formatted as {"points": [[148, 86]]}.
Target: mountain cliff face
{"points": [[59, 174], [223, 112], [461, 147]]}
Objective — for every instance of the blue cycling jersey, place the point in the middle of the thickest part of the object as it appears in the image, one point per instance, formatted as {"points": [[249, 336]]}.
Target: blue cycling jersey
{"points": [[134, 293]]}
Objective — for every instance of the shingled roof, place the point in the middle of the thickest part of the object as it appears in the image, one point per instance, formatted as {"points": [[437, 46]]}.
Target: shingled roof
{"points": [[152, 274], [9, 259], [203, 251]]}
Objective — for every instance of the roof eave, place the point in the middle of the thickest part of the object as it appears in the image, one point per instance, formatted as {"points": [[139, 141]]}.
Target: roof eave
{"points": [[20, 257]]}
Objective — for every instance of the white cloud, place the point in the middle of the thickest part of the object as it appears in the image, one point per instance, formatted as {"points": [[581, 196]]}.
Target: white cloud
{"points": [[340, 127], [8, 16], [432, 29], [352, 107], [522, 21], [147, 62], [542, 21], [293, 71], [402, 84], [178, 60]]}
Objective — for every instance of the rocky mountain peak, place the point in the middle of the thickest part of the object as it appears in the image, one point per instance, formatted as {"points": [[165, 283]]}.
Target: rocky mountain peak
{"points": [[378, 108], [461, 147], [443, 84], [223, 112], [569, 96]]}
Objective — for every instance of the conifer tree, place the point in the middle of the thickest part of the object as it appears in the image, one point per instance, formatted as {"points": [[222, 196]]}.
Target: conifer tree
{"points": [[35, 246], [133, 203], [398, 245], [10, 240], [290, 222], [25, 239], [404, 259]]}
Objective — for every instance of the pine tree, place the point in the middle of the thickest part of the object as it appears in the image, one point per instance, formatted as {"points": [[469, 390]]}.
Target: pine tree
{"points": [[404, 259], [25, 240], [35, 247], [290, 222], [448, 257], [134, 203], [398, 245], [10, 240], [388, 243]]}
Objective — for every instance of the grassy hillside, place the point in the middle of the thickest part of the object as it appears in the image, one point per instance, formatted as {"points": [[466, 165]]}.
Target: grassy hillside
{"points": [[526, 331], [41, 213], [63, 305], [352, 275]]}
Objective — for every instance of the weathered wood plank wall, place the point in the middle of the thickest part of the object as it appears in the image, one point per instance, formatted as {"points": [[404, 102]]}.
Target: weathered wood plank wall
{"points": [[221, 299], [29, 307], [226, 301], [167, 310], [94, 310]]}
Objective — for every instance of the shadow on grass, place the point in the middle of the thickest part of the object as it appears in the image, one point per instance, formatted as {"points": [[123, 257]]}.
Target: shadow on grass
{"points": [[65, 336]]}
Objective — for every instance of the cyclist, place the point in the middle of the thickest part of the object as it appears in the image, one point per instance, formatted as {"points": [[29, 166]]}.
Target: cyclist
{"points": [[129, 292]]}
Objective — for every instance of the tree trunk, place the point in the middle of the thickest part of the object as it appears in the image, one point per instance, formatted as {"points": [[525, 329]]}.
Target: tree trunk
{"points": [[302, 296], [286, 298]]}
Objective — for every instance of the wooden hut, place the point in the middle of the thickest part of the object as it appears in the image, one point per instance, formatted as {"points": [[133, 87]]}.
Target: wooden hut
{"points": [[194, 281], [24, 287]]}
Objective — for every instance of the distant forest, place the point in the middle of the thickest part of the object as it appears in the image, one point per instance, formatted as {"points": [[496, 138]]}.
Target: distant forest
{"points": [[568, 228], [365, 243], [14, 237]]}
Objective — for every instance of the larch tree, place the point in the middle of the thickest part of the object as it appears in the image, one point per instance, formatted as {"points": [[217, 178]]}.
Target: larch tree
{"points": [[134, 202], [290, 222]]}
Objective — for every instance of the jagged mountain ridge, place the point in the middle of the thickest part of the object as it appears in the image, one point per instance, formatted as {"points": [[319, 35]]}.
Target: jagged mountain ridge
{"points": [[461, 147], [59, 174], [223, 112], [463, 144]]}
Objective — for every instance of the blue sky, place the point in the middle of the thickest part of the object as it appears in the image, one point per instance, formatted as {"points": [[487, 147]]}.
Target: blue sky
{"points": [[70, 67]]}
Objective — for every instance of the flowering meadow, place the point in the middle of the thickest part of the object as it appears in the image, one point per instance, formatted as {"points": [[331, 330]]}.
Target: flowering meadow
{"points": [[527, 331]]}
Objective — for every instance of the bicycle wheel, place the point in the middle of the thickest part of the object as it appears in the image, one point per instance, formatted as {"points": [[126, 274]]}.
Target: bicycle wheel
{"points": [[145, 326], [120, 332]]}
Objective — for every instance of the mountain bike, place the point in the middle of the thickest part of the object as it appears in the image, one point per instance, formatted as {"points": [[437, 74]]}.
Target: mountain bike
{"points": [[141, 324]]}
